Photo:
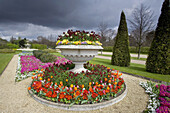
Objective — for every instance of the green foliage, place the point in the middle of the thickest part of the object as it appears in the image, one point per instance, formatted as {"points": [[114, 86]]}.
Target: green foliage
{"points": [[158, 60], [121, 54], [39, 46], [144, 50], [5, 44], [7, 51], [50, 50], [44, 56], [12, 46], [2, 46]]}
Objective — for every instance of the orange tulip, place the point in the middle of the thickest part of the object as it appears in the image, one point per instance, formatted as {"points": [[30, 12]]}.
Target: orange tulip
{"points": [[89, 83], [82, 86], [33, 73], [32, 77], [105, 79], [109, 81], [96, 83], [48, 79], [51, 76], [29, 88], [40, 78], [41, 69], [66, 80]]}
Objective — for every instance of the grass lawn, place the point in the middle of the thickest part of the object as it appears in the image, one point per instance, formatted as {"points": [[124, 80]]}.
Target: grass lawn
{"points": [[4, 60], [136, 69], [134, 58]]}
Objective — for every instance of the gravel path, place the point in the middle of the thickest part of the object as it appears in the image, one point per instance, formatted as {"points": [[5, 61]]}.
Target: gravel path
{"points": [[14, 97], [132, 61], [132, 55]]}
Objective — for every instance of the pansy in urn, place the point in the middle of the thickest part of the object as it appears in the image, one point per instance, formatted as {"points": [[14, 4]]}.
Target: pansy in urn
{"points": [[78, 38], [79, 47]]}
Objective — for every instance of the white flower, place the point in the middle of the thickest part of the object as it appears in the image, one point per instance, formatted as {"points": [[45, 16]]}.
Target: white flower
{"points": [[88, 34]]}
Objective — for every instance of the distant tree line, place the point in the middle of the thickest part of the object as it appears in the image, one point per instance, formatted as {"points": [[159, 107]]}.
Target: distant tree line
{"points": [[40, 43]]}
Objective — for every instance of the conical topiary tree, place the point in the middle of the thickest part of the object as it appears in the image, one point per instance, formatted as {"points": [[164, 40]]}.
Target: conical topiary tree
{"points": [[121, 54], [158, 60]]}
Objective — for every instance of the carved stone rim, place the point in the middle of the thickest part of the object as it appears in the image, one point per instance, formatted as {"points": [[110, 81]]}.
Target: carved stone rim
{"points": [[83, 107]]}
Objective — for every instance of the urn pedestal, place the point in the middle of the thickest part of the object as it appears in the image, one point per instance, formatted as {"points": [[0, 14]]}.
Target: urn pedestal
{"points": [[79, 54]]}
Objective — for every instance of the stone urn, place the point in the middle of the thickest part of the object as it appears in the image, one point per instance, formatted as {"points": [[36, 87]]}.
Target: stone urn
{"points": [[79, 54]]}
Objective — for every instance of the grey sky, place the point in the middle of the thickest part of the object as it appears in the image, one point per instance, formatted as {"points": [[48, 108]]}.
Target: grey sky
{"points": [[32, 18]]}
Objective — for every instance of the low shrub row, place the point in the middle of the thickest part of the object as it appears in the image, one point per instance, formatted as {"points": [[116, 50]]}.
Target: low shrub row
{"points": [[44, 56], [39, 46], [9, 46], [7, 51], [50, 50], [144, 50]]}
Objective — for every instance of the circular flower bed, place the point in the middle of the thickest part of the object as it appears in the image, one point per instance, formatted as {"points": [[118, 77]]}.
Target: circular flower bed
{"points": [[78, 38], [58, 84]]}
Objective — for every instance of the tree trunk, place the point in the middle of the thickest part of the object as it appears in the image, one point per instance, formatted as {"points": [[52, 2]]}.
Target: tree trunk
{"points": [[139, 51]]}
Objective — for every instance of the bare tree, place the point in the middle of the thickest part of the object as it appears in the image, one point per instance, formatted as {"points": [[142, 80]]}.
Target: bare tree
{"points": [[142, 22], [105, 33]]}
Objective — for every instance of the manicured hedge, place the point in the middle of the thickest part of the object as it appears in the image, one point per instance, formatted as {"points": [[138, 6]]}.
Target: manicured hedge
{"points": [[44, 56], [7, 51], [144, 50], [9, 46], [50, 50], [158, 60], [38, 46], [121, 53]]}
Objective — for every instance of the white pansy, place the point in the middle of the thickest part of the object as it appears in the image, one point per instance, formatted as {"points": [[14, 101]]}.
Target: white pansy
{"points": [[153, 101]]}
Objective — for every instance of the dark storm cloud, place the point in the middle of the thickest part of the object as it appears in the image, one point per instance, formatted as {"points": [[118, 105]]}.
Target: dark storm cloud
{"points": [[41, 12], [63, 13], [40, 17]]}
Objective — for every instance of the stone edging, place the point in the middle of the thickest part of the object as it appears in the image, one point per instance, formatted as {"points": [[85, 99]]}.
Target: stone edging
{"points": [[79, 107]]}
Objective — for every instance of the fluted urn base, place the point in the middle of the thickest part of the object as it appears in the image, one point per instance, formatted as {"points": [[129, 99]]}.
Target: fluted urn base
{"points": [[79, 54]]}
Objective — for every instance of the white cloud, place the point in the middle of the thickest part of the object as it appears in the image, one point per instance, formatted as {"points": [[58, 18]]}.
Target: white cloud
{"points": [[28, 30]]}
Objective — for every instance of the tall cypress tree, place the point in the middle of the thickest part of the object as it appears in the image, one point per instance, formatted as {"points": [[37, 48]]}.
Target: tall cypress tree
{"points": [[158, 60], [121, 54]]}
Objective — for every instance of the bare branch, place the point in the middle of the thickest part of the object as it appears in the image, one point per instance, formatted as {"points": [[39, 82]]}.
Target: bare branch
{"points": [[142, 22]]}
